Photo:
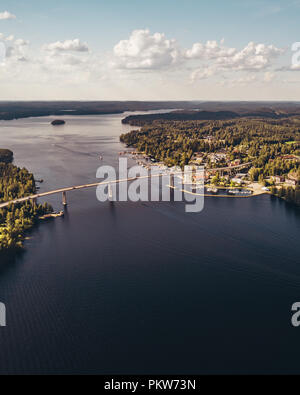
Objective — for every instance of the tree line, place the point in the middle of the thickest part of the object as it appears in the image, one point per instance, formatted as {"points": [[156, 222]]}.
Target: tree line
{"points": [[16, 219], [273, 146]]}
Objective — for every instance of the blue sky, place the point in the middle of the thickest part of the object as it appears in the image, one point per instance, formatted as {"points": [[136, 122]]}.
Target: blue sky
{"points": [[103, 72], [190, 20]]}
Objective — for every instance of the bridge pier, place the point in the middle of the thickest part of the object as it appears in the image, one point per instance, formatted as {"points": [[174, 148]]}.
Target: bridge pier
{"points": [[64, 199], [110, 192], [172, 187], [172, 180]]}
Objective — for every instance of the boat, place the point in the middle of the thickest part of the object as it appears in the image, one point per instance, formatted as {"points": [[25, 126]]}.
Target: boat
{"points": [[233, 191], [213, 190]]}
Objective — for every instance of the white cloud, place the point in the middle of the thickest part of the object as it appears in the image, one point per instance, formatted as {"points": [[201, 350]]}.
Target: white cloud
{"points": [[128, 64], [6, 38], [20, 42], [210, 50], [67, 46], [203, 73], [145, 51], [6, 15], [59, 61], [15, 49], [68, 60], [252, 57]]}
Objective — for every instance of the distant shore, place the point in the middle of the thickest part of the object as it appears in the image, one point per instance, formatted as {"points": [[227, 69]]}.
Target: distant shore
{"points": [[22, 109], [10, 110]]}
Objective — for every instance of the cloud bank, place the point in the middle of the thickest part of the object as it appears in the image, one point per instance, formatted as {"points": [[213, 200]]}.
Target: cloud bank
{"points": [[145, 59]]}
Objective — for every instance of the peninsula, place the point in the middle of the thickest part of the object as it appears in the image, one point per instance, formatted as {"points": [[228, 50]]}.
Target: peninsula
{"points": [[16, 219], [268, 150]]}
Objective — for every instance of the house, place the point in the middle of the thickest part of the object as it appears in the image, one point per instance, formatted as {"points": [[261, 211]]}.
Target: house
{"points": [[278, 179], [237, 180], [236, 162], [293, 176], [217, 157], [241, 175], [197, 157], [291, 182], [292, 179], [289, 157], [221, 155]]}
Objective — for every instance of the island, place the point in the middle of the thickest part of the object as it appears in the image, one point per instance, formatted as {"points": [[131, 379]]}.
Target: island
{"points": [[17, 219], [58, 122], [6, 156]]}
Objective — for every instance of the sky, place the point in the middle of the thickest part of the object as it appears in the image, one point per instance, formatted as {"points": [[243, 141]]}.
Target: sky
{"points": [[149, 50]]}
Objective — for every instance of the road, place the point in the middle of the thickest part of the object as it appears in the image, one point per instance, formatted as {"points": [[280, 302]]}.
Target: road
{"points": [[78, 187]]}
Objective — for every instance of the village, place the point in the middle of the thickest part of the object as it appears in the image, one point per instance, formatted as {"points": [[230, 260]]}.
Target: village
{"points": [[222, 173]]}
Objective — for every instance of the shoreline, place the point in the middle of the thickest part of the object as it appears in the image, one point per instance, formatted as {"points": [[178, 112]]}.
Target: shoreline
{"points": [[139, 157], [219, 196]]}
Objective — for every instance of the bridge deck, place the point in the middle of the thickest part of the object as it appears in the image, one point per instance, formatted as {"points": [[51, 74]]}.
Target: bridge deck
{"points": [[78, 187]]}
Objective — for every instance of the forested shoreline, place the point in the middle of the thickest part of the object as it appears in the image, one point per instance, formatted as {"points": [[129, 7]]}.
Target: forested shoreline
{"points": [[271, 146], [216, 110], [17, 219], [21, 109]]}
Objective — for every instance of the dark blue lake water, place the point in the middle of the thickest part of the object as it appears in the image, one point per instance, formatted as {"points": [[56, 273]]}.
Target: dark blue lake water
{"points": [[144, 287]]}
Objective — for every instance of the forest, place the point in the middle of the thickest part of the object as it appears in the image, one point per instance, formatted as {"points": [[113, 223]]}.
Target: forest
{"points": [[23, 109], [272, 146], [290, 194], [6, 156], [16, 219], [219, 111]]}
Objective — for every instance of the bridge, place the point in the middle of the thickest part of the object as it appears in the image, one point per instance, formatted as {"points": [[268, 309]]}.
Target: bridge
{"points": [[64, 191], [229, 169]]}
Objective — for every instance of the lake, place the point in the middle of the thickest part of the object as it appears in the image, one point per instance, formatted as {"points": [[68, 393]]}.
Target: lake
{"points": [[144, 288]]}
